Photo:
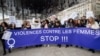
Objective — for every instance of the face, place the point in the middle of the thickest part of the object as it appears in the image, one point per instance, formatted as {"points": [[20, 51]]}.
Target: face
{"points": [[13, 25], [71, 20], [75, 21], [28, 23], [44, 22], [57, 24], [78, 21], [91, 20]]}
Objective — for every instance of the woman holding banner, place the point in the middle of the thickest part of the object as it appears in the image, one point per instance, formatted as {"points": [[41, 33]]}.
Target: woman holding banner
{"points": [[45, 24], [12, 26], [57, 25], [26, 25], [92, 24], [3, 27]]}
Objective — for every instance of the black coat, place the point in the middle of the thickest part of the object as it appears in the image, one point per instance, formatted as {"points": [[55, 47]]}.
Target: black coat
{"points": [[1, 32]]}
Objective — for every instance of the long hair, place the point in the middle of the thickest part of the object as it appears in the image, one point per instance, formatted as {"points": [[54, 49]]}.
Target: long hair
{"points": [[4, 24]]}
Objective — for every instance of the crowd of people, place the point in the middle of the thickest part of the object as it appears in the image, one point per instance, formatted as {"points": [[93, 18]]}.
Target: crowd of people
{"points": [[56, 23], [47, 23], [71, 23]]}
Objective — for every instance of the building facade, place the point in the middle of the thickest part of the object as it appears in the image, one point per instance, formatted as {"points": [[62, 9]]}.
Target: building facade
{"points": [[82, 7]]}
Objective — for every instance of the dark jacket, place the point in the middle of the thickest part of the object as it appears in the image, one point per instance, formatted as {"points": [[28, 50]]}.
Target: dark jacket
{"points": [[1, 31]]}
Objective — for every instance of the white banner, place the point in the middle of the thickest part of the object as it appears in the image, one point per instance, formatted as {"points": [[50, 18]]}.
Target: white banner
{"points": [[6, 35], [12, 19]]}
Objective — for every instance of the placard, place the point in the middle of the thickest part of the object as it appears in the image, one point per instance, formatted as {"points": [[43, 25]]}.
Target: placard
{"points": [[6, 35]]}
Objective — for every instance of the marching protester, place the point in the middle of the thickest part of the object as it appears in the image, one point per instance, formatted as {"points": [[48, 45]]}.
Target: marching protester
{"points": [[93, 25], [36, 24], [77, 23], [83, 21], [12, 26], [70, 23], [3, 27], [45, 25], [26, 25], [57, 25]]}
